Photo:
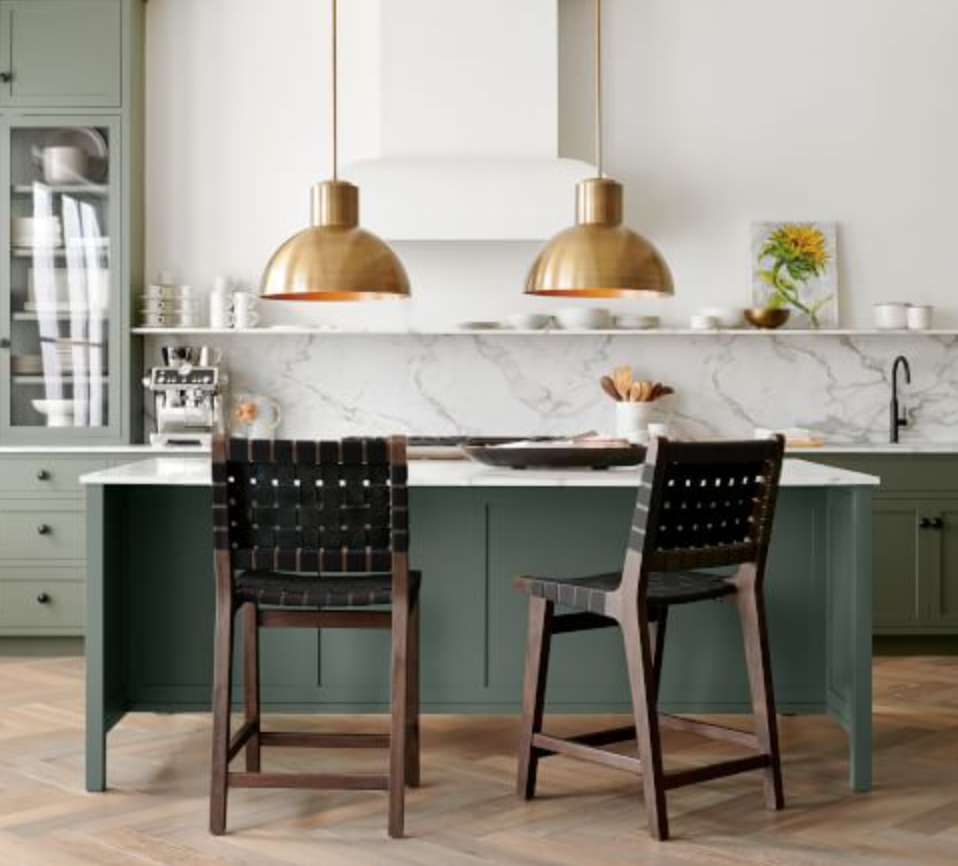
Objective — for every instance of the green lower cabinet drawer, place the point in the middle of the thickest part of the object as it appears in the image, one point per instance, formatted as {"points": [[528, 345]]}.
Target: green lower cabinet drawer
{"points": [[42, 532], [41, 474], [42, 604]]}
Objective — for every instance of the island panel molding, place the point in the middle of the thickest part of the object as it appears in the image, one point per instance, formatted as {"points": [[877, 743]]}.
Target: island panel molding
{"points": [[335, 384]]}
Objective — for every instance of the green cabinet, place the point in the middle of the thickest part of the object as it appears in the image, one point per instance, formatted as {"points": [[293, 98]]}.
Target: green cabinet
{"points": [[61, 53], [915, 541], [71, 228]]}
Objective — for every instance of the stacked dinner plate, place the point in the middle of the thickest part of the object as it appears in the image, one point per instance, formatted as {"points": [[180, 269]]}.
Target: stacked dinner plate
{"points": [[169, 306]]}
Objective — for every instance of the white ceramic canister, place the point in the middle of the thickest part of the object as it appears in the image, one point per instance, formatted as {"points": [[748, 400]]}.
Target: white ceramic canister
{"points": [[632, 421], [920, 317], [891, 316]]}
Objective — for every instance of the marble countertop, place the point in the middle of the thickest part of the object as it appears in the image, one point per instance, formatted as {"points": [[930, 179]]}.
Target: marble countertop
{"points": [[880, 448], [148, 450], [67, 450], [190, 472]]}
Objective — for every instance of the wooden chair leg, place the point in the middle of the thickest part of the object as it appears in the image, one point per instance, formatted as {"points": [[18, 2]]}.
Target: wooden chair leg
{"points": [[251, 684], [751, 607], [534, 693], [399, 710], [658, 647], [222, 695], [639, 654], [412, 697]]}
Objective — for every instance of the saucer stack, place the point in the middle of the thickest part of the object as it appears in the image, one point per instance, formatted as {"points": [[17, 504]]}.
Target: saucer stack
{"points": [[168, 305]]}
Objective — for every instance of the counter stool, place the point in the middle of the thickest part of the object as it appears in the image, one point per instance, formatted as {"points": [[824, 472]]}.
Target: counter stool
{"points": [[307, 535], [699, 506]]}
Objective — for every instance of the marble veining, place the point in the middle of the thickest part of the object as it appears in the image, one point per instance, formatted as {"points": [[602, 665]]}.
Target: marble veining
{"points": [[838, 386]]}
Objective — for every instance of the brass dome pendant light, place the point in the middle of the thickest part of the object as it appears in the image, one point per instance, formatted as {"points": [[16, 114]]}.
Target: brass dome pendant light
{"points": [[334, 259], [599, 257]]}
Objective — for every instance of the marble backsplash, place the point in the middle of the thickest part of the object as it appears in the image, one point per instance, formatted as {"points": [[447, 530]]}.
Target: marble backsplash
{"points": [[337, 384]]}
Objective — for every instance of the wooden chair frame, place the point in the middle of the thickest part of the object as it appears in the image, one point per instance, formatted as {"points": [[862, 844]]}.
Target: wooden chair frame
{"points": [[402, 620], [643, 630]]}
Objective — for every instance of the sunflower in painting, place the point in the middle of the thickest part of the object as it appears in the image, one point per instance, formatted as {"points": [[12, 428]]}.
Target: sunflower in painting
{"points": [[796, 253]]}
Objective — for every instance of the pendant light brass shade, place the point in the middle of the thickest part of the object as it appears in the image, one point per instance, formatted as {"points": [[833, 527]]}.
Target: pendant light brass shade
{"points": [[334, 259], [599, 257]]}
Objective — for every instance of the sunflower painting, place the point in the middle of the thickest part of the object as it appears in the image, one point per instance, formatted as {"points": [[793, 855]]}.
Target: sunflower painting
{"points": [[794, 265]]}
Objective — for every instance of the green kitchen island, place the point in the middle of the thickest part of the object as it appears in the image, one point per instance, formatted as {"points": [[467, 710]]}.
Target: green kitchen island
{"points": [[150, 602]]}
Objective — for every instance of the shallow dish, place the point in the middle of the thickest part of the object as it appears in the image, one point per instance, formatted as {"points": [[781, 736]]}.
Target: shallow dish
{"points": [[529, 321], [532, 455]]}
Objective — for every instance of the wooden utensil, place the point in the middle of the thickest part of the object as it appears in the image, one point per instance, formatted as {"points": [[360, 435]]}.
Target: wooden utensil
{"points": [[622, 377], [609, 387]]}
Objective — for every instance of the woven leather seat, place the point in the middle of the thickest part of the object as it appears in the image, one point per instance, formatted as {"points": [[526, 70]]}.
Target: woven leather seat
{"points": [[297, 590], [590, 593]]}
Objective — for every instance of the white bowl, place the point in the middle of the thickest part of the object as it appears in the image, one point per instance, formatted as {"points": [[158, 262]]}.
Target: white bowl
{"points": [[36, 232], [700, 322], [584, 319], [59, 412], [727, 317], [637, 323], [529, 321]]}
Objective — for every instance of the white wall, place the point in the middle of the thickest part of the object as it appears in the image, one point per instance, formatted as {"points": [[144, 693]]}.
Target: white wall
{"points": [[717, 113]]}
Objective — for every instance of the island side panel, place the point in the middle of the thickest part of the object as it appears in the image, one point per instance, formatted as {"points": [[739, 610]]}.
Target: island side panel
{"points": [[107, 695], [850, 624]]}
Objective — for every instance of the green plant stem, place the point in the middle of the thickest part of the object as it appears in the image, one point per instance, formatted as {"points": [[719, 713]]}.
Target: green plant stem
{"points": [[790, 293]]}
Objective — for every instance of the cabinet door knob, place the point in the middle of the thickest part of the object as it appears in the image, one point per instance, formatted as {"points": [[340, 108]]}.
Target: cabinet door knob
{"points": [[924, 523], [43, 598], [43, 529], [43, 475], [5, 343], [6, 77]]}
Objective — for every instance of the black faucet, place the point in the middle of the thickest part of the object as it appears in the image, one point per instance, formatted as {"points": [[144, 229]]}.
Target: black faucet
{"points": [[898, 420]]}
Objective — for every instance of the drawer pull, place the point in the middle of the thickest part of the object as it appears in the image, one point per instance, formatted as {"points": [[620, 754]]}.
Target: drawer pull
{"points": [[44, 529], [43, 598], [43, 475], [931, 523]]}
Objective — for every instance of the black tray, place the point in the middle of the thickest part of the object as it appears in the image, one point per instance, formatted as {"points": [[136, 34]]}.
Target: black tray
{"points": [[573, 457]]}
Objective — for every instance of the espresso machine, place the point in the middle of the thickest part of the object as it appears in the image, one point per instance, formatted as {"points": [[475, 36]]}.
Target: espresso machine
{"points": [[187, 396]]}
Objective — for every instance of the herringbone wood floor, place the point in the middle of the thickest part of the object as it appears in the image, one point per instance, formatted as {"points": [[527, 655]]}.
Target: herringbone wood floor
{"points": [[466, 813]]}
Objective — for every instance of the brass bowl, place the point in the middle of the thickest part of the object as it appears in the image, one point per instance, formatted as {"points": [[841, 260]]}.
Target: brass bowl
{"points": [[767, 317]]}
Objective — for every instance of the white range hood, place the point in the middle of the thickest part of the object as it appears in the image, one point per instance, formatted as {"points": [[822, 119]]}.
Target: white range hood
{"points": [[450, 119]]}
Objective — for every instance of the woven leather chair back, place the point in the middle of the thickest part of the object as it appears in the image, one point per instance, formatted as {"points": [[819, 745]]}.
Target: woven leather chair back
{"points": [[706, 504], [334, 507]]}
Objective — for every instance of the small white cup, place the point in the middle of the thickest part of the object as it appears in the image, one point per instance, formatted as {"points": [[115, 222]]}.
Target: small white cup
{"points": [[919, 318], [658, 430]]}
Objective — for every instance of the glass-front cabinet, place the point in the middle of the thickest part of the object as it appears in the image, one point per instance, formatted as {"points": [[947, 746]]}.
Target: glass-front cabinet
{"points": [[61, 299]]}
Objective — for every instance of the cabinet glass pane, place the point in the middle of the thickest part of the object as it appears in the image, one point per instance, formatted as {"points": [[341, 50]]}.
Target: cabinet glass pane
{"points": [[60, 267]]}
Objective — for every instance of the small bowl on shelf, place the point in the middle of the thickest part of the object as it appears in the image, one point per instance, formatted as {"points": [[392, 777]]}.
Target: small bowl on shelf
{"points": [[529, 321], [767, 318], [584, 319]]}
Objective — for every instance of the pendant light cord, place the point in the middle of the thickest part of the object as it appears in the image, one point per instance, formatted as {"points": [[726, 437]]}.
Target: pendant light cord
{"points": [[598, 86], [335, 93]]}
